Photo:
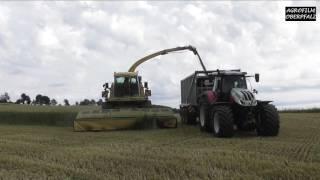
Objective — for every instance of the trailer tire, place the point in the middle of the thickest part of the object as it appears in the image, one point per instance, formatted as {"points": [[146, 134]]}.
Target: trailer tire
{"points": [[188, 117], [222, 121], [268, 121], [182, 115], [204, 119]]}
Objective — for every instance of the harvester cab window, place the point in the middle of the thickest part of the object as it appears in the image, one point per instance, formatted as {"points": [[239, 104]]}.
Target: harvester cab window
{"points": [[134, 86], [120, 80], [126, 86], [133, 80]]}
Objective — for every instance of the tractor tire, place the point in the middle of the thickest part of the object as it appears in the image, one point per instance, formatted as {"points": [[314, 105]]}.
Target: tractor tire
{"points": [[222, 121], [268, 121], [204, 119]]}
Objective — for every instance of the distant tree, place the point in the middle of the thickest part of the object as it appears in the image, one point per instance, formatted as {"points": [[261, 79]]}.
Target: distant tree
{"points": [[4, 98], [42, 100], [38, 99], [53, 102], [66, 102], [93, 102], [18, 101], [85, 102], [45, 100], [77, 103], [28, 100], [24, 99], [100, 102]]}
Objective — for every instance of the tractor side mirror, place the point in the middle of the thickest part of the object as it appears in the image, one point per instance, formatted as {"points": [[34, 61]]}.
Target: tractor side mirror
{"points": [[257, 77], [105, 94], [106, 86], [146, 85], [147, 92]]}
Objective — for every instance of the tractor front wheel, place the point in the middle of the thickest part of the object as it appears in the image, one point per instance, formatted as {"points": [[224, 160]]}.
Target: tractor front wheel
{"points": [[268, 121], [222, 121]]}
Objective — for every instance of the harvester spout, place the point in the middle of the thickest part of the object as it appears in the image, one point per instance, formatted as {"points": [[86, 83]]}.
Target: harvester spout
{"points": [[166, 51]]}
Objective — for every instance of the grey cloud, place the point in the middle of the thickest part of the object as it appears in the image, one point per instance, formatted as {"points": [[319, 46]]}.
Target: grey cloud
{"points": [[56, 85]]}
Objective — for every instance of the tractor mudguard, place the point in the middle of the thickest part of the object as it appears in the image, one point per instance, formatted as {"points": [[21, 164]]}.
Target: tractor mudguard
{"points": [[263, 102]]}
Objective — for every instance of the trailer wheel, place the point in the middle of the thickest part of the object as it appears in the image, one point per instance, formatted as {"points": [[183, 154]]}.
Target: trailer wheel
{"points": [[268, 121], [188, 116], [182, 115], [222, 121], [204, 119]]}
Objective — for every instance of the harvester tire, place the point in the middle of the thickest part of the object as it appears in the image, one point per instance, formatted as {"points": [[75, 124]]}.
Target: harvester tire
{"points": [[222, 121], [268, 121], [204, 119]]}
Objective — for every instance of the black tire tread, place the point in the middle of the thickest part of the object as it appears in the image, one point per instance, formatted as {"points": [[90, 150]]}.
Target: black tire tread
{"points": [[226, 121], [187, 117], [269, 123], [207, 123]]}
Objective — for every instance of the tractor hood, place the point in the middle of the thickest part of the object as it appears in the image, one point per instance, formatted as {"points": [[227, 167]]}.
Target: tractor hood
{"points": [[243, 97]]}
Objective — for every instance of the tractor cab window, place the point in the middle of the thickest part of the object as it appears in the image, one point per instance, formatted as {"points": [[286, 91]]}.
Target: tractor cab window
{"points": [[126, 86], [230, 82]]}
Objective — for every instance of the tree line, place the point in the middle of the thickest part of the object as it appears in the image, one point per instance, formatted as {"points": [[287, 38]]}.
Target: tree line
{"points": [[45, 100]]}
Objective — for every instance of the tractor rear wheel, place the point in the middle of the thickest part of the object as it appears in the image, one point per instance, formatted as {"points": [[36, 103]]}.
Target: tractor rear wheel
{"points": [[268, 121], [222, 121], [204, 119]]}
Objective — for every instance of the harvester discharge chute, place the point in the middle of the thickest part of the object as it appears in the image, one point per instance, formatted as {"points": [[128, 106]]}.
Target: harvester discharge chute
{"points": [[127, 105]]}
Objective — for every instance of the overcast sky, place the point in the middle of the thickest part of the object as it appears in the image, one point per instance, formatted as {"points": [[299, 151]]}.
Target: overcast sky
{"points": [[69, 49]]}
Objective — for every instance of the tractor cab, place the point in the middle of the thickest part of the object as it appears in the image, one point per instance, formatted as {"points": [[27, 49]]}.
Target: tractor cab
{"points": [[232, 86], [227, 80]]}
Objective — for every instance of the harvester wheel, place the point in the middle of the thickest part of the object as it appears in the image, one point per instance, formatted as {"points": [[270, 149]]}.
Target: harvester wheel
{"points": [[204, 119], [268, 121], [222, 121]]}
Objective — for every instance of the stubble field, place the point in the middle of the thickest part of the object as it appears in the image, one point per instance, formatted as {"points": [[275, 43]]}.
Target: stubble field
{"points": [[50, 152]]}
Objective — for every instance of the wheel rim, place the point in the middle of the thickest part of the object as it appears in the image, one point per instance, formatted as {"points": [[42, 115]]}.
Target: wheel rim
{"points": [[216, 124], [202, 116]]}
